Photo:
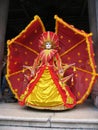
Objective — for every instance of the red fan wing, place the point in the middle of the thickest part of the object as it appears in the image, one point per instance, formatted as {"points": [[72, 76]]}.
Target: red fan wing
{"points": [[76, 47], [22, 50]]}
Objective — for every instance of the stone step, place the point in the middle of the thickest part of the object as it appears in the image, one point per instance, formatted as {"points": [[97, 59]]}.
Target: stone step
{"points": [[15, 117]]}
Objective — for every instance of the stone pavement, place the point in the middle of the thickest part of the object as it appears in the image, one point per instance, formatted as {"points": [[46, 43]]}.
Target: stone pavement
{"points": [[15, 117]]}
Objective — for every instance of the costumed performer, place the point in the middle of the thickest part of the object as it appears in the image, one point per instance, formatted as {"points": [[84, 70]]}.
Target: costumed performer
{"points": [[47, 88]]}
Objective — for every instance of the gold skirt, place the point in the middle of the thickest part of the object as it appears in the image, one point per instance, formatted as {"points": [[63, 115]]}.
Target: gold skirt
{"points": [[45, 94]]}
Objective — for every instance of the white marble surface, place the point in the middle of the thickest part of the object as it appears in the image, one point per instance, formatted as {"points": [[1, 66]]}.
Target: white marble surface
{"points": [[83, 116]]}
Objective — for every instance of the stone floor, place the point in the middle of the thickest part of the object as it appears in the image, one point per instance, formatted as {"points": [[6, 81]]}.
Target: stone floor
{"points": [[15, 117]]}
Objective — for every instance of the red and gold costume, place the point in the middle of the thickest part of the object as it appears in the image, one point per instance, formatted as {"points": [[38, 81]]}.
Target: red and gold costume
{"points": [[34, 73], [46, 89]]}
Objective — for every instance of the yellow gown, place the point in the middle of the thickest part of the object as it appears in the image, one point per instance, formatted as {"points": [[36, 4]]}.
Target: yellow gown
{"points": [[45, 90]]}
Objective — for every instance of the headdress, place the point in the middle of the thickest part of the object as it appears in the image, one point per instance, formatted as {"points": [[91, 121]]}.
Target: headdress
{"points": [[49, 37]]}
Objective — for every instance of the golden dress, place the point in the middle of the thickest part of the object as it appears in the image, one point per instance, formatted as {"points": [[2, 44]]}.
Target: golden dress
{"points": [[45, 90]]}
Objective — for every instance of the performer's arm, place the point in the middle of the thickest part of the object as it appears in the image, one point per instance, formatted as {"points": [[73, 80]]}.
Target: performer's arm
{"points": [[58, 61], [59, 65], [34, 67]]}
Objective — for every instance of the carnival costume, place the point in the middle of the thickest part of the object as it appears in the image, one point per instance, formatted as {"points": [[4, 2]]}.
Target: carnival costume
{"points": [[51, 70], [47, 88]]}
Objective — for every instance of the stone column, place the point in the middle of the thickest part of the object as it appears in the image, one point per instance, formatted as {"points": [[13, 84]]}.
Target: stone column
{"points": [[4, 4], [93, 23]]}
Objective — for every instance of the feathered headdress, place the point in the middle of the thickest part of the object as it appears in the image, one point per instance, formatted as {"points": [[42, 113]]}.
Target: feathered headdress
{"points": [[49, 37]]}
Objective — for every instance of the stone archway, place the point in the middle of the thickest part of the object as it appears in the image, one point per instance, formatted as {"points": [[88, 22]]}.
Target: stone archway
{"points": [[93, 22], [4, 4]]}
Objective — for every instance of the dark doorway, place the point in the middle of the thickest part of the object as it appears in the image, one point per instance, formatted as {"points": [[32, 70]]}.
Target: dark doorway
{"points": [[21, 12]]}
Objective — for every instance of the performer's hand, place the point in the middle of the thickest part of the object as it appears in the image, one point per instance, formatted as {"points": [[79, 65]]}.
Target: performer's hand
{"points": [[24, 66], [65, 67], [32, 72], [27, 67], [73, 64], [65, 79], [26, 76], [61, 72]]}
